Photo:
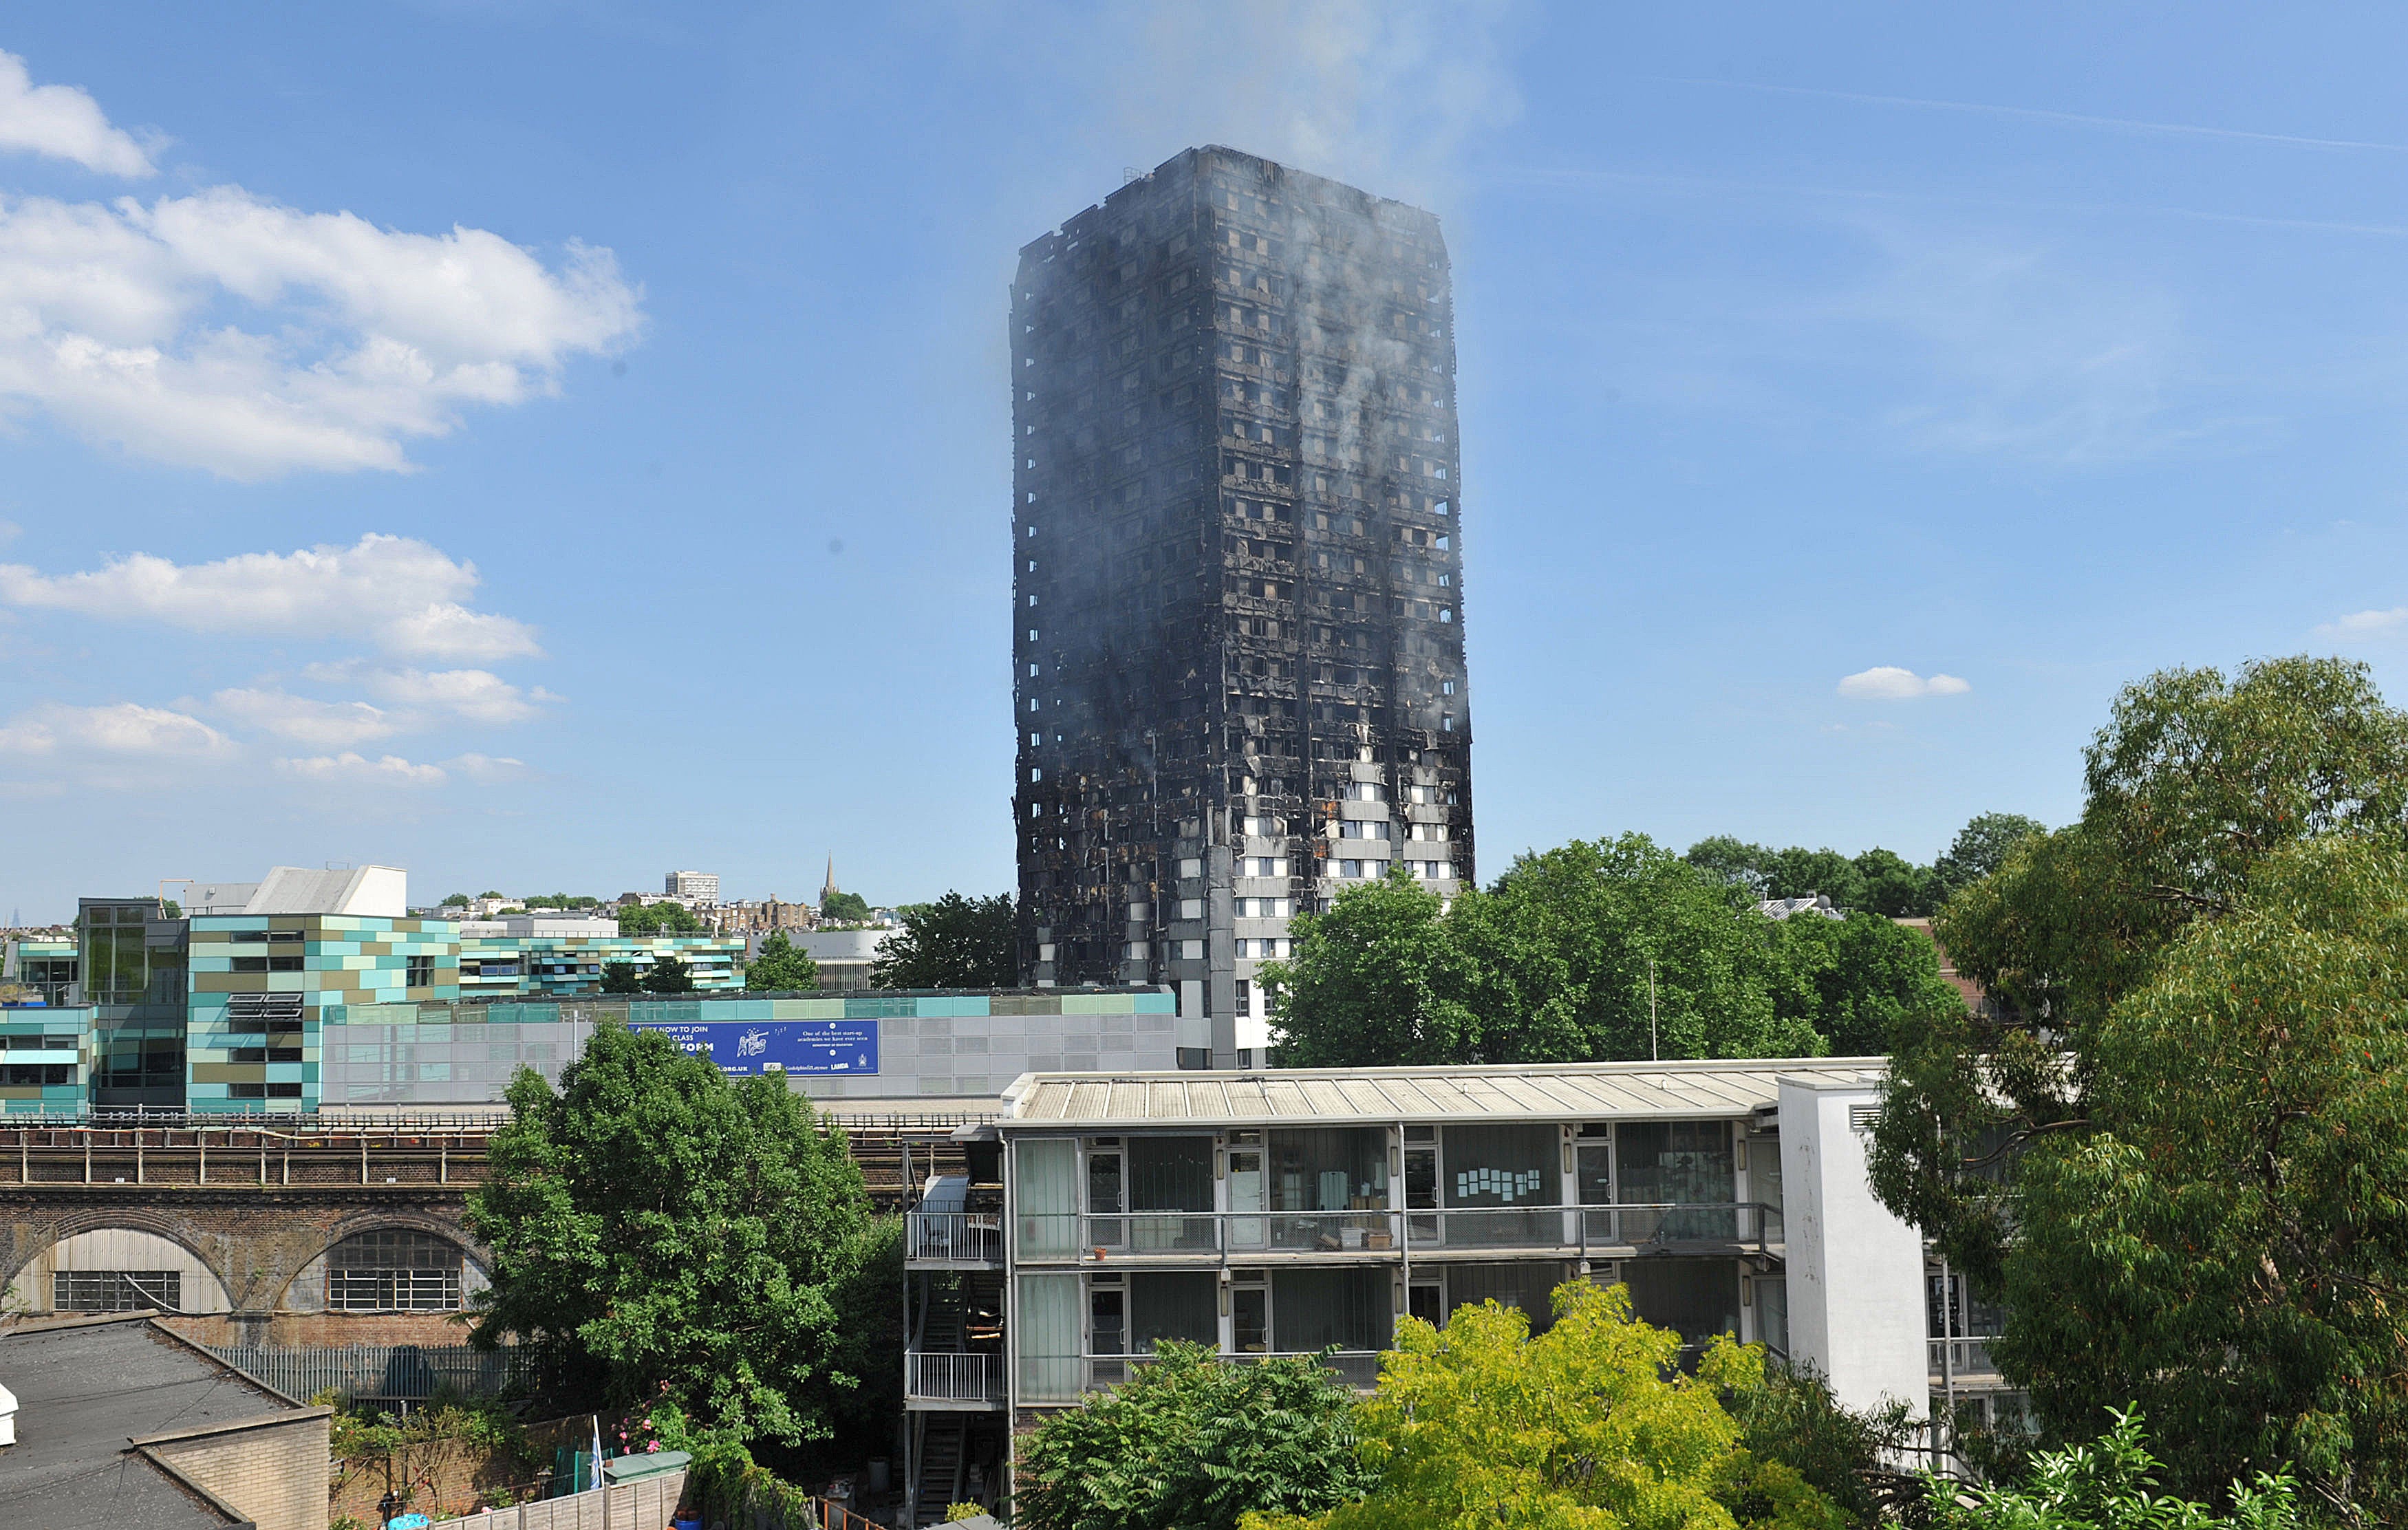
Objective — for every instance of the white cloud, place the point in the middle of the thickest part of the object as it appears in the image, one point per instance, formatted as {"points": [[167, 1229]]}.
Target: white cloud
{"points": [[388, 771], [425, 697], [395, 591], [2365, 624], [1888, 682], [63, 123], [225, 331], [487, 768], [325, 724], [122, 729]]}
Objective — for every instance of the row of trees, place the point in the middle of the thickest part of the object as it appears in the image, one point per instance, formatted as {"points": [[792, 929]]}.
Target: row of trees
{"points": [[2171, 1140], [1878, 881], [1593, 1425], [1595, 951], [2174, 1139]]}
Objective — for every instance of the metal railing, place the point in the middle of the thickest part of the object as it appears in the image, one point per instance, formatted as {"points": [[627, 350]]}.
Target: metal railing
{"points": [[931, 1376], [954, 1237], [1965, 1357], [1576, 1230], [402, 1371]]}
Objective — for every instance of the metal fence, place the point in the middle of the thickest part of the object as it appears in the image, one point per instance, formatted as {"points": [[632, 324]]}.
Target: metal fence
{"points": [[398, 1372]]}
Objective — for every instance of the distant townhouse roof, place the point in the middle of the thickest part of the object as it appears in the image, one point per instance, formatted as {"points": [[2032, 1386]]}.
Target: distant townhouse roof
{"points": [[1621, 1091]]}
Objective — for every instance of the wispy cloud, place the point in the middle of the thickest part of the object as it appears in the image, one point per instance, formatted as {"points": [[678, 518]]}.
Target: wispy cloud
{"points": [[61, 121], [396, 593], [349, 768], [1888, 682], [123, 729], [2361, 624], [225, 331]]}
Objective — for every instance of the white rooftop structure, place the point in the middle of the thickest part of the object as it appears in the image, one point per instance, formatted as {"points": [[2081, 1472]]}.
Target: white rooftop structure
{"points": [[1459, 1095], [1817, 903], [376, 891]]}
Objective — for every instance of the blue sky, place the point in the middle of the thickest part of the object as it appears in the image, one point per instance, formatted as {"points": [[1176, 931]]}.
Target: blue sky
{"points": [[542, 445]]}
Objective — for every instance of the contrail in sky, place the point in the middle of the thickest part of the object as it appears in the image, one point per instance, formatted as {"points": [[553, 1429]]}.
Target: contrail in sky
{"points": [[2037, 114]]}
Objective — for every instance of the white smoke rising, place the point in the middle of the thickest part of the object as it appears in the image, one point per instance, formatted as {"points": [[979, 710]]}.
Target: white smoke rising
{"points": [[1381, 95]]}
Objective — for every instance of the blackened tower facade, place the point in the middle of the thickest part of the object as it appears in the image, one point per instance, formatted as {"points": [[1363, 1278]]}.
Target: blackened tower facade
{"points": [[1237, 578]]}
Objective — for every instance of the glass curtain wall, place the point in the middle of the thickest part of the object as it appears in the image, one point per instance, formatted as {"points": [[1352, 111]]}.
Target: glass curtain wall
{"points": [[1051, 1363], [1527, 1285], [1170, 1175], [1697, 1297], [1680, 1163], [1491, 1168], [1314, 1309], [1046, 1190]]}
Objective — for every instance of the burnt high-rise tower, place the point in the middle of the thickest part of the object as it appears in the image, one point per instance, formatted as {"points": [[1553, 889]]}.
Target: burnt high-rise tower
{"points": [[1237, 578]]}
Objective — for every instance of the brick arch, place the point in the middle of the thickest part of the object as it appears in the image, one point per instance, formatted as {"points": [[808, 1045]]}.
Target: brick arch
{"points": [[377, 1219], [133, 1219], [58, 1231]]}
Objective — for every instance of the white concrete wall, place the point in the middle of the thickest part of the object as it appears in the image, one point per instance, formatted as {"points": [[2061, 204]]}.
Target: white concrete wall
{"points": [[1855, 1270]]}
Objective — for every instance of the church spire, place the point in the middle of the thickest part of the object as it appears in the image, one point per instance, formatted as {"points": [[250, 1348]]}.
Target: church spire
{"points": [[828, 890]]}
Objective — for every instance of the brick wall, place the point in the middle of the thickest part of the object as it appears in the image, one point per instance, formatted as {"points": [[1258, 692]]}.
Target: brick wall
{"points": [[273, 1471], [321, 1330]]}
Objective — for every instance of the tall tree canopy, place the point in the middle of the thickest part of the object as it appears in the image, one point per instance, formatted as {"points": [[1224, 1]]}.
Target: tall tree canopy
{"points": [[1879, 880], [2193, 779], [1553, 965], [779, 967], [2179, 1095], [1590, 1426], [653, 1222], [1191, 1442], [656, 919], [954, 942], [2235, 1190], [1981, 847], [1855, 980]]}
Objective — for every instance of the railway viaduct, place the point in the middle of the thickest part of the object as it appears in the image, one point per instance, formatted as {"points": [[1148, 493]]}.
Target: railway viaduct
{"points": [[246, 1215]]}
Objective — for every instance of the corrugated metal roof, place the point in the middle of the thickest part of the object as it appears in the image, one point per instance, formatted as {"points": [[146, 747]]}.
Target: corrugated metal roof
{"points": [[1567, 1091]]}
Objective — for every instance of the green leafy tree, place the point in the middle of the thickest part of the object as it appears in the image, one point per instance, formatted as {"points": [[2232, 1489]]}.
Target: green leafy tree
{"points": [[659, 1231], [2193, 781], [1881, 881], [1893, 886], [1553, 965], [1858, 980], [1733, 862], [669, 974], [779, 967], [1568, 945], [622, 977], [2225, 1242], [954, 942], [657, 919], [1378, 978], [1845, 1455], [455, 900], [2109, 1485], [1981, 847], [1191, 1442], [1591, 1425], [844, 909], [1801, 872]]}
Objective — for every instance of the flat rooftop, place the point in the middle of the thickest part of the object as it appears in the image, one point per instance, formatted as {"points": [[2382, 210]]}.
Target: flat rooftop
{"points": [[1364, 1096], [84, 1388]]}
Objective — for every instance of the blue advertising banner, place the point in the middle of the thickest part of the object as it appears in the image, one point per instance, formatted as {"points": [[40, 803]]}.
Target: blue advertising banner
{"points": [[777, 1046]]}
